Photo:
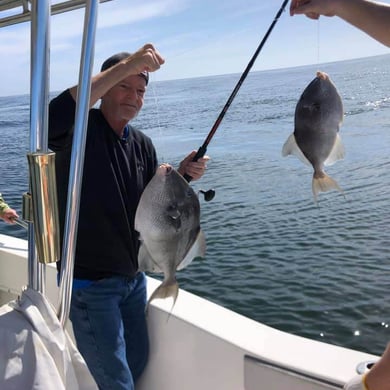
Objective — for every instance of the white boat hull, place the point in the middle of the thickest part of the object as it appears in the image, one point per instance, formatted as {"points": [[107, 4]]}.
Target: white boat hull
{"points": [[201, 345]]}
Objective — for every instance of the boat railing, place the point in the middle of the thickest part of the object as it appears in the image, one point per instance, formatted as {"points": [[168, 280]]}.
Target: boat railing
{"points": [[19, 11], [41, 212], [77, 159]]}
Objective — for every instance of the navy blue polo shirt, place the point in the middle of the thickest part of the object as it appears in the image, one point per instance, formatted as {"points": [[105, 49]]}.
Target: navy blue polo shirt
{"points": [[116, 171]]}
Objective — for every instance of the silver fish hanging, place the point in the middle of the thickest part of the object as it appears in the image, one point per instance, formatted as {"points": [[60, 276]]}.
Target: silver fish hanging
{"points": [[316, 140], [168, 220]]}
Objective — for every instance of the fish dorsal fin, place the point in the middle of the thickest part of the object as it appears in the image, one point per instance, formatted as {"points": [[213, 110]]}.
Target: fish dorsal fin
{"points": [[291, 147], [337, 152], [146, 262], [198, 249]]}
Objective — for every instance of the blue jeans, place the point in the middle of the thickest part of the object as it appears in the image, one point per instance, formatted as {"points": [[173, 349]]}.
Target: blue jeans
{"points": [[109, 325]]}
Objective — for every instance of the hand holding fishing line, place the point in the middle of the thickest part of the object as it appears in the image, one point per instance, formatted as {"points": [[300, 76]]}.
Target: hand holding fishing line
{"points": [[308, 8], [148, 58], [372, 17]]}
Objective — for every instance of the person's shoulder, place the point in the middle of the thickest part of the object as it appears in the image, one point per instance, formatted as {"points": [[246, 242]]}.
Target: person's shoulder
{"points": [[64, 95], [62, 104], [96, 114]]}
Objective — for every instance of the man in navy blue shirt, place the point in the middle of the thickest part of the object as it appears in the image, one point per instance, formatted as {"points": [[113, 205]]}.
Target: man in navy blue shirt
{"points": [[109, 294]]}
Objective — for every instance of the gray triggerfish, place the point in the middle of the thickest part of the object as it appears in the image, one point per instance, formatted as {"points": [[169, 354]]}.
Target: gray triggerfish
{"points": [[168, 221], [316, 140]]}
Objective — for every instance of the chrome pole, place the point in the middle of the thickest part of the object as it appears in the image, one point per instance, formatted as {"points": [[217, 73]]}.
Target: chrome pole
{"points": [[39, 86], [77, 160]]}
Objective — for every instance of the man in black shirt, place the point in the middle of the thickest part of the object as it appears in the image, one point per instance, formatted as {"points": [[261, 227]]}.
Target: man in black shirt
{"points": [[109, 295]]}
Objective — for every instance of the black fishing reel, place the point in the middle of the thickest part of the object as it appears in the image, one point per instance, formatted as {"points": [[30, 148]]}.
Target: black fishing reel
{"points": [[208, 195]]}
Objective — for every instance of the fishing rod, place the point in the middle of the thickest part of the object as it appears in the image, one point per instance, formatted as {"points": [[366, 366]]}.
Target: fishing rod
{"points": [[209, 195], [20, 222]]}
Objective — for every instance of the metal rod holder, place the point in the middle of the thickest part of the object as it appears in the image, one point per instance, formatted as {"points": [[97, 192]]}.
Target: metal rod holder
{"points": [[44, 206], [27, 213]]}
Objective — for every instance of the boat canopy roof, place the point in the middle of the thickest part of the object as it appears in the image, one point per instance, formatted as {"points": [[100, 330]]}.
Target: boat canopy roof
{"points": [[19, 11]]}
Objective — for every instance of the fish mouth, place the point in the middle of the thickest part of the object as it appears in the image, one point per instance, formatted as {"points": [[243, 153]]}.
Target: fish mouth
{"points": [[322, 75], [165, 169]]}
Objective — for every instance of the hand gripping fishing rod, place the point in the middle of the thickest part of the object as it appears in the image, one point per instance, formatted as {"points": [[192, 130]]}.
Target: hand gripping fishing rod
{"points": [[209, 195]]}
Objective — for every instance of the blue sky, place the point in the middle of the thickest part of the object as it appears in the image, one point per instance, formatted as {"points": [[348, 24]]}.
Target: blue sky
{"points": [[196, 37]]}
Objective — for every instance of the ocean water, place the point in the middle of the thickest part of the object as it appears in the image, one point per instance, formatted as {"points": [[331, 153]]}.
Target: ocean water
{"points": [[320, 271]]}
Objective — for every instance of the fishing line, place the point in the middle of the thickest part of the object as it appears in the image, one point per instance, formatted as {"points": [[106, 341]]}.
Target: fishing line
{"points": [[318, 41], [202, 150], [156, 106], [156, 103], [21, 223]]}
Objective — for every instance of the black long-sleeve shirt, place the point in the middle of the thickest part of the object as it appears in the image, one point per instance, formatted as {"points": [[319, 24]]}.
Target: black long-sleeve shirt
{"points": [[115, 174]]}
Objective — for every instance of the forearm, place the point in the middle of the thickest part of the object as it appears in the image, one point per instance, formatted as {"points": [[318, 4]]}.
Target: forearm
{"points": [[3, 206], [145, 59], [104, 81], [371, 17]]}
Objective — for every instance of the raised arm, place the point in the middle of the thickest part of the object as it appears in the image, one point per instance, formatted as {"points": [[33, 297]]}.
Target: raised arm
{"points": [[145, 59], [371, 17]]}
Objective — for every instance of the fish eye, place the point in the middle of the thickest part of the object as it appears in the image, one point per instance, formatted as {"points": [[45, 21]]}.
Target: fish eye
{"points": [[173, 211]]}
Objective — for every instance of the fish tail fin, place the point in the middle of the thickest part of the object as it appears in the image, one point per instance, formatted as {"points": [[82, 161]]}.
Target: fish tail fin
{"points": [[324, 183], [168, 288]]}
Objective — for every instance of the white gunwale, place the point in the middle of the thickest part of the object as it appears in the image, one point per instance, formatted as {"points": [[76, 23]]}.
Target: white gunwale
{"points": [[203, 345]]}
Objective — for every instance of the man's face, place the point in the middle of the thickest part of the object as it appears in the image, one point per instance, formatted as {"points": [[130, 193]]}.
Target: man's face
{"points": [[125, 99]]}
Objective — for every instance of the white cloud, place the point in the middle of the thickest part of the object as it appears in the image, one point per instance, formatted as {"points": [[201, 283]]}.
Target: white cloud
{"points": [[126, 12]]}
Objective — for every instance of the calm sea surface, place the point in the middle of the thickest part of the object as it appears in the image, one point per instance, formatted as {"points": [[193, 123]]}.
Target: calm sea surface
{"points": [[318, 271]]}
